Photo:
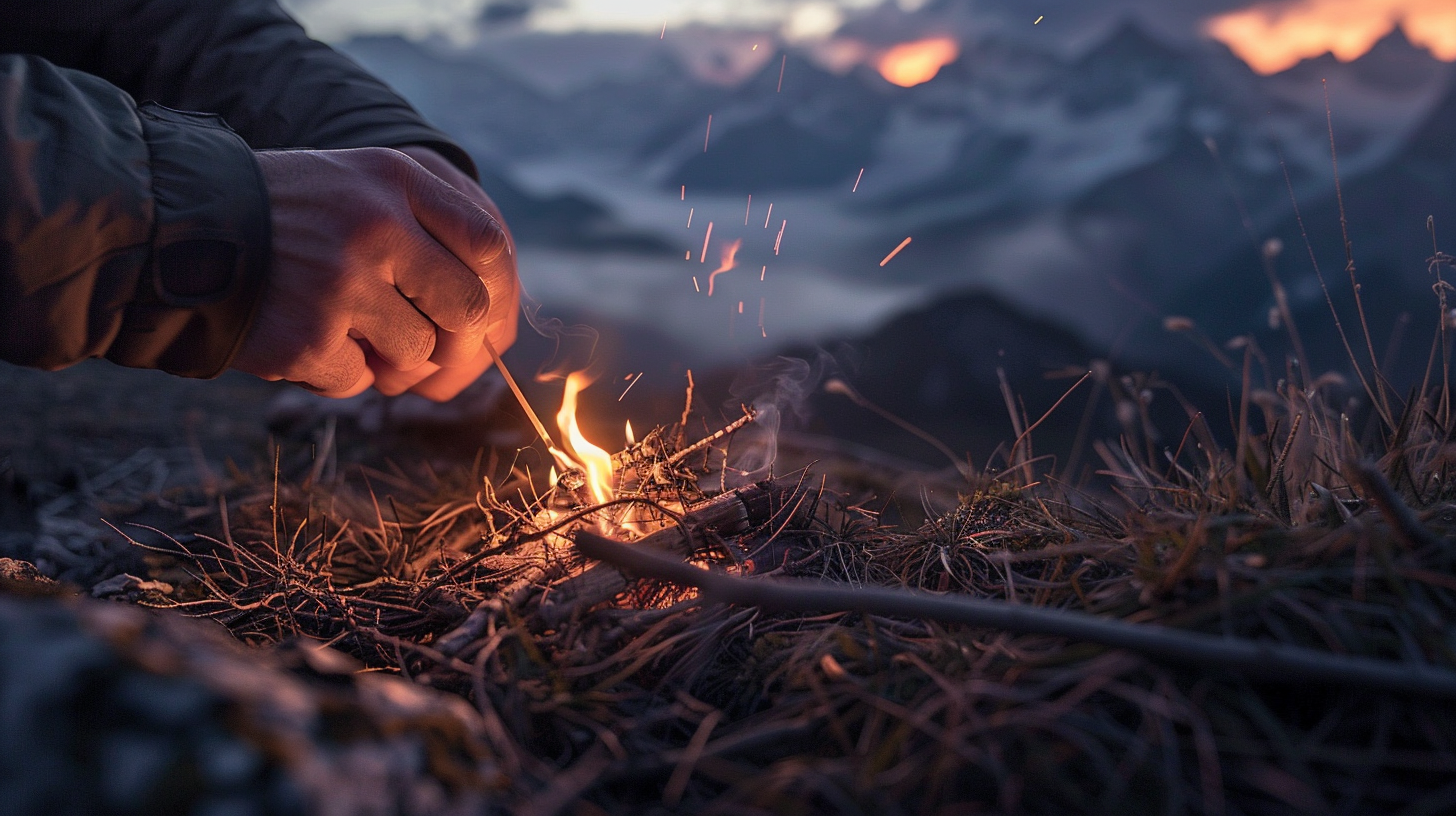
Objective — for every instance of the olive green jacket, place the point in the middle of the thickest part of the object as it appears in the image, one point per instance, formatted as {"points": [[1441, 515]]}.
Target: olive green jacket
{"points": [[134, 221]]}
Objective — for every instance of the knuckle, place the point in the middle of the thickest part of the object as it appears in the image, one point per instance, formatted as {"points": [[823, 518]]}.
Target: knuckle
{"points": [[422, 348], [338, 374], [458, 301], [475, 307], [489, 240], [412, 348], [387, 158]]}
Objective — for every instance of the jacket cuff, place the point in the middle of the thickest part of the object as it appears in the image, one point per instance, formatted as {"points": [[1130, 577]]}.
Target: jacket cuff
{"points": [[210, 248]]}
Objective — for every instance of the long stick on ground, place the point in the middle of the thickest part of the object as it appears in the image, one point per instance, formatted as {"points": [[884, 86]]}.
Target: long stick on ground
{"points": [[1277, 662]]}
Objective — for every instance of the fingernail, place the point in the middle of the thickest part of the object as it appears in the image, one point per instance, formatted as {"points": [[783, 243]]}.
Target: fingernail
{"points": [[495, 235]]}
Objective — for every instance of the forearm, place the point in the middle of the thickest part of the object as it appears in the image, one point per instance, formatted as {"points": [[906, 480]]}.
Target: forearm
{"points": [[140, 235], [246, 60]]}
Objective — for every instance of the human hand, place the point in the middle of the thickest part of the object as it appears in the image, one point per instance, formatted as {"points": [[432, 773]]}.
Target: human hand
{"points": [[383, 274], [430, 380]]}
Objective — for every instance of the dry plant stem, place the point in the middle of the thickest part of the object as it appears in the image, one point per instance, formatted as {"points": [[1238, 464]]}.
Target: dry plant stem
{"points": [[624, 458], [1267, 661], [1281, 295], [461, 567], [682, 426], [1350, 260], [1407, 526], [1330, 302], [844, 389], [1026, 434], [455, 640], [568, 785], [748, 416], [732, 513]]}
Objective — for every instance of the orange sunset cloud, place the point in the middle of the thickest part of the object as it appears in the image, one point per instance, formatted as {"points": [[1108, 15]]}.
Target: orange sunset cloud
{"points": [[915, 62], [1272, 37]]}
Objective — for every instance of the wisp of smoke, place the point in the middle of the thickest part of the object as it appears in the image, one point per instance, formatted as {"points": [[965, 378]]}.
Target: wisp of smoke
{"points": [[576, 345], [778, 392]]}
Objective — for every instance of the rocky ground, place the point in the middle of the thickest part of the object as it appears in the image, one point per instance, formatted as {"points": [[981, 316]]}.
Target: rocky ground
{"points": [[110, 708]]}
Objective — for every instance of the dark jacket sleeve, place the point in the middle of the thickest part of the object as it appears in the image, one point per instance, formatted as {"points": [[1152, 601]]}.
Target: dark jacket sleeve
{"points": [[246, 60], [140, 233], [136, 233]]}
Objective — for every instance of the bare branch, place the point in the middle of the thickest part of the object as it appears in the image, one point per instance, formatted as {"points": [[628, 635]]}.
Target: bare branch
{"points": [[1277, 662]]}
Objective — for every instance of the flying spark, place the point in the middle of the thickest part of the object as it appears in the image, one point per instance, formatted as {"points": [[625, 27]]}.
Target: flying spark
{"points": [[706, 238], [755, 47], [760, 318], [730, 254], [690, 217], [768, 216], [895, 251], [709, 133], [1039, 19], [740, 307], [630, 384], [748, 210], [762, 272], [856, 180], [688, 256], [664, 30], [780, 239], [684, 192], [696, 288], [782, 63]]}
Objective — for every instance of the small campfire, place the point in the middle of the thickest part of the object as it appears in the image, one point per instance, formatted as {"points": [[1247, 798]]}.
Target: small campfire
{"points": [[635, 630]]}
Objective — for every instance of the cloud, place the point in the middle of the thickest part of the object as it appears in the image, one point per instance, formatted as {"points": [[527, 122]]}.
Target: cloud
{"points": [[813, 21], [1272, 37]]}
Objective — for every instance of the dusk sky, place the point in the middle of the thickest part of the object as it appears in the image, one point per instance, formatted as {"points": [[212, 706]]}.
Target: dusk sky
{"points": [[331, 19], [795, 18], [1270, 35]]}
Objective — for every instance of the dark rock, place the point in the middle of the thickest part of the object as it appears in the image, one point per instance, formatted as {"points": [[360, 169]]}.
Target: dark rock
{"points": [[109, 708]]}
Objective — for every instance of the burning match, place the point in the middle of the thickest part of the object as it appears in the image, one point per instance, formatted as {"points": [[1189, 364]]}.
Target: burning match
{"points": [[525, 404]]}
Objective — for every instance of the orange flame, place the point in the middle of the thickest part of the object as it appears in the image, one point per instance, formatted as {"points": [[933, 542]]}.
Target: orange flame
{"points": [[1274, 36], [730, 254], [915, 62], [579, 452]]}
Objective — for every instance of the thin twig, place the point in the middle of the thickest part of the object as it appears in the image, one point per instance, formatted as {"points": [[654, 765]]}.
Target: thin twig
{"points": [[749, 415]]}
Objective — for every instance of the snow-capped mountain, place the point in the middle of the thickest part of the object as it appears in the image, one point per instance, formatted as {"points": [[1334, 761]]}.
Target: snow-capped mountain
{"points": [[1100, 189]]}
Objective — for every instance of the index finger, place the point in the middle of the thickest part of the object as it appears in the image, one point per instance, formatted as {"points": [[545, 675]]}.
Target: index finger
{"points": [[481, 243], [460, 225]]}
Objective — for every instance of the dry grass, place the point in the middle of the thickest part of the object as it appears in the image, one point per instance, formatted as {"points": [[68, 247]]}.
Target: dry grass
{"points": [[653, 702], [1324, 525]]}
